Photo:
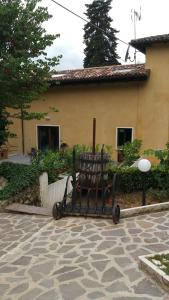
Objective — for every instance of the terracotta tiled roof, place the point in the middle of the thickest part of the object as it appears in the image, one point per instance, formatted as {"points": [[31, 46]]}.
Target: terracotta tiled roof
{"points": [[101, 74], [143, 43]]}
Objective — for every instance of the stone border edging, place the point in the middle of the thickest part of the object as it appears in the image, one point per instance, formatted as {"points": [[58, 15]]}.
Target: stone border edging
{"points": [[158, 275], [134, 211], [125, 213]]}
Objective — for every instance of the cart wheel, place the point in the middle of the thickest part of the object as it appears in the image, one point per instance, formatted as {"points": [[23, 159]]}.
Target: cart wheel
{"points": [[116, 214], [57, 211]]}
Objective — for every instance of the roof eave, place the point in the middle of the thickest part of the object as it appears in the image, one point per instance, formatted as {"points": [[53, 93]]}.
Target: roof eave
{"points": [[128, 78]]}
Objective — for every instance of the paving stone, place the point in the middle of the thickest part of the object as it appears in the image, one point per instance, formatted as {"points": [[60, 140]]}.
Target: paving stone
{"points": [[7, 269], [85, 266], [88, 245], [93, 274], [131, 247], [147, 286], [37, 251], [146, 235], [88, 283], [130, 298], [72, 254], [30, 295], [44, 268], [64, 270], [118, 286], [134, 231], [23, 260], [161, 227], [64, 249], [71, 291], [19, 289], [81, 259], [157, 247], [139, 252], [75, 241], [114, 232], [50, 295], [76, 273], [111, 275], [133, 274], [98, 256], [94, 238], [137, 240], [70, 275], [100, 265], [47, 283], [77, 229], [96, 295], [3, 288], [163, 236], [2, 253], [151, 240], [116, 251], [105, 245], [145, 224], [88, 233], [86, 252], [159, 220], [125, 239], [123, 261]]}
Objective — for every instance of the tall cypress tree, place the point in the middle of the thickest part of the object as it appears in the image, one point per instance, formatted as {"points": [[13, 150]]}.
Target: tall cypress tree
{"points": [[100, 39]]}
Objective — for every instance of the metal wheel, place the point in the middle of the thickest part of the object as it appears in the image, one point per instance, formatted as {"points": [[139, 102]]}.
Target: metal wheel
{"points": [[57, 211], [116, 213]]}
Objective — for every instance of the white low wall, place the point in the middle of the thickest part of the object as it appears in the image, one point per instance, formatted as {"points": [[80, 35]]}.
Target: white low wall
{"points": [[51, 193]]}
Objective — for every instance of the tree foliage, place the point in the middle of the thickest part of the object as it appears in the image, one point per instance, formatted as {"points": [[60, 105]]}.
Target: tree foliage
{"points": [[25, 69], [99, 37], [131, 152]]}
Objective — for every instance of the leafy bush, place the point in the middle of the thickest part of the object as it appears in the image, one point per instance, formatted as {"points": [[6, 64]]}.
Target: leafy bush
{"points": [[57, 162], [130, 179], [19, 177], [161, 155], [131, 152]]}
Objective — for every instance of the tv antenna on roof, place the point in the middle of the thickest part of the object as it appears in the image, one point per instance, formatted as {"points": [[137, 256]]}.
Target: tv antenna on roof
{"points": [[135, 17]]}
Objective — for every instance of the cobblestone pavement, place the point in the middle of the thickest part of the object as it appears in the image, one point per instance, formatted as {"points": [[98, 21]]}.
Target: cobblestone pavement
{"points": [[78, 258]]}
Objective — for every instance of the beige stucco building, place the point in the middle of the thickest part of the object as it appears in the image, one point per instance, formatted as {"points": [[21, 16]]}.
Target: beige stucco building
{"points": [[129, 102]]}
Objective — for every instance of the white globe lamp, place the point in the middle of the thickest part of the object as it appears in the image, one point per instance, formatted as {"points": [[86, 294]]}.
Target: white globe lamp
{"points": [[144, 165]]}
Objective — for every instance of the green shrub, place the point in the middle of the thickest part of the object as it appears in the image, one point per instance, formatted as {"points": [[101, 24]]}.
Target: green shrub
{"points": [[19, 177], [57, 162], [161, 155], [130, 179], [131, 152]]}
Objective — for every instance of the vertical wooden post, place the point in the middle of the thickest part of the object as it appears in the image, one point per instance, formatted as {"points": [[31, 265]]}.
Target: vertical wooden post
{"points": [[94, 136]]}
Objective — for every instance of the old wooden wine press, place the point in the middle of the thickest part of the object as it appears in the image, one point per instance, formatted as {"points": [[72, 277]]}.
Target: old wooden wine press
{"points": [[93, 194]]}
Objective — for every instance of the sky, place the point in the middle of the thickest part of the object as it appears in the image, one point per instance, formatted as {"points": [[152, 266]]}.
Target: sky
{"points": [[154, 21]]}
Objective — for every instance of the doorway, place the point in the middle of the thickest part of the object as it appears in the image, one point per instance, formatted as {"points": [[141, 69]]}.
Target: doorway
{"points": [[123, 135], [48, 137]]}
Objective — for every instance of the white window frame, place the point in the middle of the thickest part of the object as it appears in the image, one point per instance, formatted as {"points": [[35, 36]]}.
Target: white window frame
{"points": [[46, 125], [132, 134]]}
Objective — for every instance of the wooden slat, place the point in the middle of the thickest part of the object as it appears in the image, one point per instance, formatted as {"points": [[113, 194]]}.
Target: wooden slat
{"points": [[29, 209]]}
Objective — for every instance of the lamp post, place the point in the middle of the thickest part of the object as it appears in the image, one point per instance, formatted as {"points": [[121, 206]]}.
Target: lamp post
{"points": [[144, 166]]}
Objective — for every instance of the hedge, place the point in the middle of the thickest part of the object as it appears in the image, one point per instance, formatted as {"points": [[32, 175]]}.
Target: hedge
{"points": [[19, 177], [130, 179]]}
